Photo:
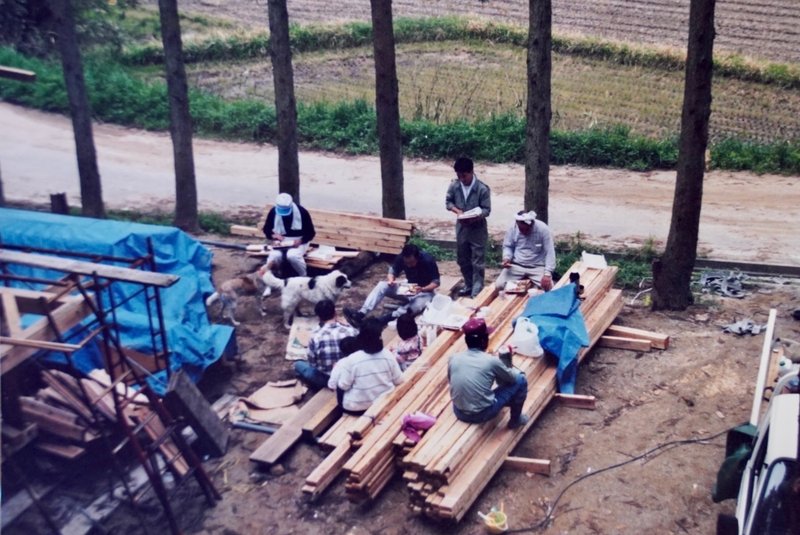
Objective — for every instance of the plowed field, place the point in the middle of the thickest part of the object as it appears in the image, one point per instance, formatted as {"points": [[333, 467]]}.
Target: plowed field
{"points": [[767, 29]]}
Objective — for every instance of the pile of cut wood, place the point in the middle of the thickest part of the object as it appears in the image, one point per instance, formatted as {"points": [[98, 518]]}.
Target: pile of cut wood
{"points": [[453, 462], [353, 232], [66, 422]]}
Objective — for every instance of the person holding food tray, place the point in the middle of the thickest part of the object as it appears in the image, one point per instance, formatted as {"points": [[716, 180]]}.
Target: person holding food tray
{"points": [[528, 253], [422, 272]]}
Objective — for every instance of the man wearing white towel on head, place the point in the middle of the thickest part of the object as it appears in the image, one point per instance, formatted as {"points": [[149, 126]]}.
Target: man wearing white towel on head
{"points": [[528, 253], [288, 226]]}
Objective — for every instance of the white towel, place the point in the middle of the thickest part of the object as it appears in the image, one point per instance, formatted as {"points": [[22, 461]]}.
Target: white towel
{"points": [[297, 221]]}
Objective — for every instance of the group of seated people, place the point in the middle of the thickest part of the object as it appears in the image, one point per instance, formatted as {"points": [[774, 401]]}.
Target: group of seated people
{"points": [[351, 358]]}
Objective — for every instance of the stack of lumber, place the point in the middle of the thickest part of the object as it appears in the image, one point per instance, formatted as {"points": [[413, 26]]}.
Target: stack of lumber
{"points": [[447, 469], [63, 413], [349, 231]]}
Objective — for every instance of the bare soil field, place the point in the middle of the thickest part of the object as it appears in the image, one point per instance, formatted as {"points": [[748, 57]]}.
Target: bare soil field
{"points": [[767, 29], [700, 386], [449, 81]]}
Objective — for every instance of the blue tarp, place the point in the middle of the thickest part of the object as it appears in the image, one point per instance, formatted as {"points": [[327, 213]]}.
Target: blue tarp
{"points": [[562, 330], [193, 341]]}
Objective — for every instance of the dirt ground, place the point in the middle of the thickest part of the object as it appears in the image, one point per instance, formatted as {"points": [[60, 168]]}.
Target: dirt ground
{"points": [[700, 386], [743, 218]]}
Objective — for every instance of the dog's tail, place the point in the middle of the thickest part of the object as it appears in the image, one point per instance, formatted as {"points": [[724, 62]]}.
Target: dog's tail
{"points": [[269, 278], [211, 299]]}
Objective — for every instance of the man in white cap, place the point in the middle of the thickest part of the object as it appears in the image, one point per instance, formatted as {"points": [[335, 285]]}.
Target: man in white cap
{"points": [[528, 253], [289, 227]]}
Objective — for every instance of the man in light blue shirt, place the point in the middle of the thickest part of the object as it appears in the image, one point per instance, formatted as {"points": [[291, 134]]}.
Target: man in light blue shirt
{"points": [[528, 253], [473, 372]]}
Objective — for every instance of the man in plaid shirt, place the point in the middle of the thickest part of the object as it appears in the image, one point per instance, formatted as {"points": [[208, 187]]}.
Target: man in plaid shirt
{"points": [[323, 348]]}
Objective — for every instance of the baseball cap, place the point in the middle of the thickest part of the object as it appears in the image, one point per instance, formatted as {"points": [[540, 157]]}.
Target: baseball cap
{"points": [[283, 204], [476, 326]]}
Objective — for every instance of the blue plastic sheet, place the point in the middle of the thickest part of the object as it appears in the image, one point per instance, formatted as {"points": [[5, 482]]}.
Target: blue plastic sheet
{"points": [[193, 341], [562, 330]]}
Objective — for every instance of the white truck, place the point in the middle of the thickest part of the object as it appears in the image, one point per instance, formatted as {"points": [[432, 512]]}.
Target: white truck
{"points": [[761, 468]]}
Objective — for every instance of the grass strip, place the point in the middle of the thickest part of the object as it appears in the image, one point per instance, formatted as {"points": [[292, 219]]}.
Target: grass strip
{"points": [[118, 97]]}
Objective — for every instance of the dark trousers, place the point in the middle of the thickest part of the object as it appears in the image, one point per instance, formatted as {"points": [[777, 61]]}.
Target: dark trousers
{"points": [[512, 395]]}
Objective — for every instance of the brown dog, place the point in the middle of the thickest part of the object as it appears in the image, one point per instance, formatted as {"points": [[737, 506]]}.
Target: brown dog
{"points": [[231, 290]]}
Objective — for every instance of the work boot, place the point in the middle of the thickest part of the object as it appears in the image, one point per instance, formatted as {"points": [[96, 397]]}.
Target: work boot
{"points": [[354, 317], [465, 291], [519, 421], [385, 319]]}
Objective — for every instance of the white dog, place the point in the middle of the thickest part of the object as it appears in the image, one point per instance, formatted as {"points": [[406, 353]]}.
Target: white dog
{"points": [[295, 290], [231, 290]]}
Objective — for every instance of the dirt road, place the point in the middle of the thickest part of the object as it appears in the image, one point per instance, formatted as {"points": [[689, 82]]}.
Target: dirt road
{"points": [[744, 215]]}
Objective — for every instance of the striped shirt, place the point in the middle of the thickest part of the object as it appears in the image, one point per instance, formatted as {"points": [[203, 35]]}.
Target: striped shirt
{"points": [[364, 377], [323, 348]]}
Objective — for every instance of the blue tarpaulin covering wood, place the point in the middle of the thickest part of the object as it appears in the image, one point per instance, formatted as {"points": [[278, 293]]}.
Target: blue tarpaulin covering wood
{"points": [[562, 330], [193, 341]]}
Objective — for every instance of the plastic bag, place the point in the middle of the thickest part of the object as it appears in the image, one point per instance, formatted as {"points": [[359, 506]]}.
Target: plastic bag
{"points": [[526, 338]]}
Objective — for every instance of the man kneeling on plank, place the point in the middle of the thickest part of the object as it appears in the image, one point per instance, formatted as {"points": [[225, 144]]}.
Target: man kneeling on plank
{"points": [[473, 372]]}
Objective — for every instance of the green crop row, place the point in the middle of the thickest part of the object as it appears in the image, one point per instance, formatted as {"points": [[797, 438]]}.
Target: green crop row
{"points": [[118, 97], [354, 34]]}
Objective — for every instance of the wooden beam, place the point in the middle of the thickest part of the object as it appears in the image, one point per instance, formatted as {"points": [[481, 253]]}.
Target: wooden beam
{"points": [[621, 342], [282, 441], [317, 423], [20, 75], [39, 344], [11, 315], [577, 401], [68, 315], [184, 399], [67, 265], [659, 341], [527, 464]]}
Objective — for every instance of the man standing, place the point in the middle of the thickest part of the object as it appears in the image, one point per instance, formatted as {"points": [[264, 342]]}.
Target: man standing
{"points": [[473, 372], [422, 273], [528, 253], [323, 348], [470, 200], [289, 228]]}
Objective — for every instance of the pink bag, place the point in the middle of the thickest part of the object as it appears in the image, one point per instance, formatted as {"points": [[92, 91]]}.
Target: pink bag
{"points": [[416, 422]]}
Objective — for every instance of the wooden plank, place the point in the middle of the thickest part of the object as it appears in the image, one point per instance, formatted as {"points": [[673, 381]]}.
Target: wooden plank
{"points": [[67, 265], [659, 341], [621, 342], [53, 420], [184, 399], [326, 472], [65, 451], [30, 301], [11, 315], [39, 344], [577, 401], [20, 75], [318, 422], [279, 443], [66, 316], [527, 464]]}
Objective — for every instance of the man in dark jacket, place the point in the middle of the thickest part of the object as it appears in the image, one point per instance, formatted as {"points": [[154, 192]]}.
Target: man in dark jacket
{"points": [[289, 230], [470, 200], [422, 273]]}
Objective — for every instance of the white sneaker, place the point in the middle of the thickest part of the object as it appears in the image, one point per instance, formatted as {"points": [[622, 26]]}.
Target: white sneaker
{"points": [[267, 292]]}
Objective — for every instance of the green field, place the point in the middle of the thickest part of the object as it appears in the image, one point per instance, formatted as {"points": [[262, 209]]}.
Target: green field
{"points": [[446, 81]]}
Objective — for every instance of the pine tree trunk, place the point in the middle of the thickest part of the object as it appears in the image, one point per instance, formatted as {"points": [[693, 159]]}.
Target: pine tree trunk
{"points": [[672, 274], [387, 109], [91, 189], [180, 125], [537, 128], [285, 105]]}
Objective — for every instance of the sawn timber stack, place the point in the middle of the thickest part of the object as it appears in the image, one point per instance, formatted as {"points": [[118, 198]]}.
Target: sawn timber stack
{"points": [[454, 461]]}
